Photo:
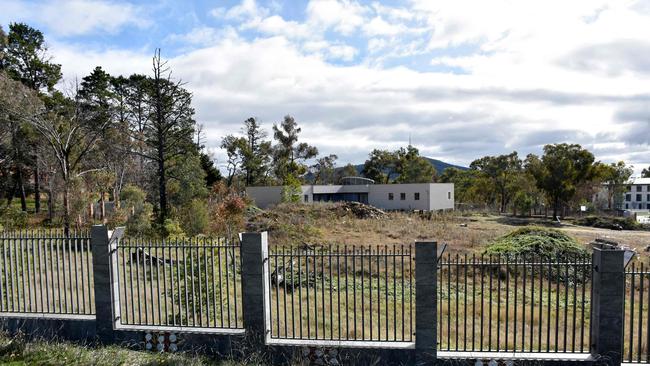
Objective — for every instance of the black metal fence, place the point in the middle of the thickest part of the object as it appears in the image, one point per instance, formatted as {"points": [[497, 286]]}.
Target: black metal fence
{"points": [[46, 272], [636, 327], [494, 303], [353, 293], [185, 283]]}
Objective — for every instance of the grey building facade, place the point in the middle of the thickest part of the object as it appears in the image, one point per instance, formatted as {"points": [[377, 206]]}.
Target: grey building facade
{"points": [[415, 196]]}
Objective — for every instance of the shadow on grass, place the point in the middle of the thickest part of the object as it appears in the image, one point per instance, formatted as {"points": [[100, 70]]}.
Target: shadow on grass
{"points": [[524, 221]]}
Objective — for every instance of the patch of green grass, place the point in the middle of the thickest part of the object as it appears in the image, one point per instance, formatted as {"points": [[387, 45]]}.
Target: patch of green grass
{"points": [[533, 242], [16, 351]]}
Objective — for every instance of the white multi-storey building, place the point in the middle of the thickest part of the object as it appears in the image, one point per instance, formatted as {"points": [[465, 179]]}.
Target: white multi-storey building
{"points": [[637, 196]]}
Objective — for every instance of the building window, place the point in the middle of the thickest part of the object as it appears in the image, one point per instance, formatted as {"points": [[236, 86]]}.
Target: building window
{"points": [[639, 188], [638, 198], [648, 198], [647, 188], [306, 198], [416, 196], [448, 195], [647, 206], [402, 196], [390, 197], [627, 206], [628, 197]]}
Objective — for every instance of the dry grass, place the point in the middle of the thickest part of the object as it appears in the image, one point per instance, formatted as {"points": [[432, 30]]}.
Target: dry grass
{"points": [[324, 224]]}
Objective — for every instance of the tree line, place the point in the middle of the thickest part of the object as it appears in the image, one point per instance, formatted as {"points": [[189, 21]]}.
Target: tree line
{"points": [[95, 137], [565, 177]]}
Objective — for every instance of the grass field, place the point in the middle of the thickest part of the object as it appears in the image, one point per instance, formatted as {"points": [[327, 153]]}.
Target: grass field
{"points": [[15, 351]]}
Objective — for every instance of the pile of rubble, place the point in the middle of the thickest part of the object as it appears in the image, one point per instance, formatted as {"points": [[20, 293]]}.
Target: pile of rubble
{"points": [[359, 210]]}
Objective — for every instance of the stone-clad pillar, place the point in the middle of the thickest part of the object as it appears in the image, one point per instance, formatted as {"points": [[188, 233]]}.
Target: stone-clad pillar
{"points": [[426, 301], [254, 280], [607, 304]]}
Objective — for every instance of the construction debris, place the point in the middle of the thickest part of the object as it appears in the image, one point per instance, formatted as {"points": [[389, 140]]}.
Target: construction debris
{"points": [[359, 210]]}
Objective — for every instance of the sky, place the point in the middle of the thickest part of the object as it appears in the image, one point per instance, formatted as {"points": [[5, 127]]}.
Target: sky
{"points": [[460, 79]]}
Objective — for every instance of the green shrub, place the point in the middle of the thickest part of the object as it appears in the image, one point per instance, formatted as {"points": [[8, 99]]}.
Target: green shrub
{"points": [[13, 218], [194, 218], [139, 212], [291, 191], [533, 242], [614, 223], [172, 229]]}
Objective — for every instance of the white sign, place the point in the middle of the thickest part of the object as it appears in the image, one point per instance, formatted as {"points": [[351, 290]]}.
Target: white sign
{"points": [[583, 208]]}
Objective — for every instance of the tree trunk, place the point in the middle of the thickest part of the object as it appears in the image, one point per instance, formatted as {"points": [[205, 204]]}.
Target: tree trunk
{"points": [[162, 186], [66, 207], [102, 208], [37, 186], [116, 197], [50, 205], [556, 203], [23, 195]]}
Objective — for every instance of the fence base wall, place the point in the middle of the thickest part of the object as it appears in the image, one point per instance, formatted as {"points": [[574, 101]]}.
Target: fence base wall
{"points": [[82, 330]]}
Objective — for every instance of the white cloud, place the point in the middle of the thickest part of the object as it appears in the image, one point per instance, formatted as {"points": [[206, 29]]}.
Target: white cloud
{"points": [[344, 16], [75, 17], [536, 73], [246, 9], [379, 27]]}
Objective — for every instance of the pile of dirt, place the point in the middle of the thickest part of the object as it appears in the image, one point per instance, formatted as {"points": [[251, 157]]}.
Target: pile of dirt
{"points": [[534, 242], [359, 210]]}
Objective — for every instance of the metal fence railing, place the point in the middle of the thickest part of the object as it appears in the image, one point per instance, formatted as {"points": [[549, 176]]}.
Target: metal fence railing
{"points": [[46, 272], [351, 293], [636, 319], [193, 283], [493, 303]]}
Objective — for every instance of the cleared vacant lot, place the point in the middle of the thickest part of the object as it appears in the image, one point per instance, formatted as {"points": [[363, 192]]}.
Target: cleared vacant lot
{"points": [[327, 224]]}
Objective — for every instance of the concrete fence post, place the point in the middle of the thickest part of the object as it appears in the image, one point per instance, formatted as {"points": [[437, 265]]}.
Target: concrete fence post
{"points": [[426, 302], [255, 286], [608, 282], [99, 241], [107, 308]]}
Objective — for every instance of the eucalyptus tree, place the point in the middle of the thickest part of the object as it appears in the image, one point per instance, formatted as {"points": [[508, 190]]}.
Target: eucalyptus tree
{"points": [[72, 130], [289, 155], [26, 59], [502, 172], [324, 169], [645, 173], [18, 104], [560, 171]]}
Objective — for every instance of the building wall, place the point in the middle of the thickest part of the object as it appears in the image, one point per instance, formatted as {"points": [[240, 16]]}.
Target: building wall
{"points": [[637, 196], [442, 196], [432, 196]]}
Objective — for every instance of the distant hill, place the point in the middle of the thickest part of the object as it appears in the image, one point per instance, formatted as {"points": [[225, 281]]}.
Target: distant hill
{"points": [[438, 164]]}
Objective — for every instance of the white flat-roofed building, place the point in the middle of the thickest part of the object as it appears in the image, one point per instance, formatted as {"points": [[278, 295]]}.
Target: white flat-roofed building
{"points": [[413, 196], [637, 195]]}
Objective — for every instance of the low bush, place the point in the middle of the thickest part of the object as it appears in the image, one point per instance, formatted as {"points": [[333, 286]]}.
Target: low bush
{"points": [[13, 218], [613, 223], [533, 242]]}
